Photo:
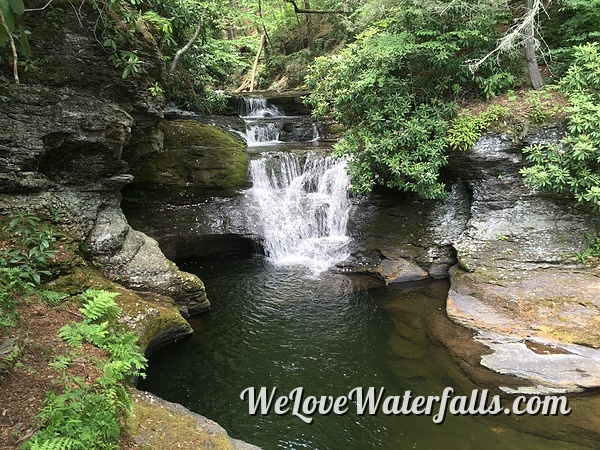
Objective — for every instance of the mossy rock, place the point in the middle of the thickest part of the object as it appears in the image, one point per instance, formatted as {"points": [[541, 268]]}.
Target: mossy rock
{"points": [[158, 424], [197, 160], [154, 317]]}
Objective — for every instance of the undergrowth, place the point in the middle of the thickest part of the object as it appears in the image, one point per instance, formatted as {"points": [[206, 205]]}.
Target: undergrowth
{"points": [[27, 246], [84, 416]]}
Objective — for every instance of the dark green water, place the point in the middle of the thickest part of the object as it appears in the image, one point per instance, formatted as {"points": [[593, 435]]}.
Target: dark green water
{"points": [[282, 327]]}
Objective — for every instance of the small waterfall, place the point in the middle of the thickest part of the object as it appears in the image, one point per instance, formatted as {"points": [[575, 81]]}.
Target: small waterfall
{"points": [[301, 209], [257, 107], [262, 133], [266, 124], [262, 121]]}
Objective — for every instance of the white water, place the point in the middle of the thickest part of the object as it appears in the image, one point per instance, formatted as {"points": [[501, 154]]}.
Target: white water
{"points": [[256, 107], [265, 122], [258, 115], [301, 209], [262, 134]]}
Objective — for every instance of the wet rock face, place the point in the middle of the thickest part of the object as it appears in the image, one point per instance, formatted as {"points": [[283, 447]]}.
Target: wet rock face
{"points": [[401, 238], [517, 280], [66, 130]]}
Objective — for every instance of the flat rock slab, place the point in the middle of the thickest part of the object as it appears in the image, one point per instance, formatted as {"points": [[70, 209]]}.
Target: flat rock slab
{"points": [[553, 366], [552, 303], [534, 326]]}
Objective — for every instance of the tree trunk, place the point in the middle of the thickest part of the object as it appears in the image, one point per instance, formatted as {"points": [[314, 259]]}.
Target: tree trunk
{"points": [[309, 30], [530, 57], [264, 29], [260, 47]]}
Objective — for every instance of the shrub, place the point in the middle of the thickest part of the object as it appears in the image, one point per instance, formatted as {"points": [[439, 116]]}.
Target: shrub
{"points": [[573, 166], [29, 246]]}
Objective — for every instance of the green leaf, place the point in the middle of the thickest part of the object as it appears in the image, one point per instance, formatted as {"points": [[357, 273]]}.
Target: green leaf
{"points": [[17, 6], [8, 14], [25, 48]]}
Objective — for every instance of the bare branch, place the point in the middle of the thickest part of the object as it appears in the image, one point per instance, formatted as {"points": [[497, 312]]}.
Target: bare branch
{"points": [[187, 46], [40, 9], [516, 36], [13, 48]]}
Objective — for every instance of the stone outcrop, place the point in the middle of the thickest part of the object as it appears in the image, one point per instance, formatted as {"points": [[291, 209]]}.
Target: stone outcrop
{"points": [[518, 281], [67, 133], [187, 195], [66, 130], [515, 277], [185, 429]]}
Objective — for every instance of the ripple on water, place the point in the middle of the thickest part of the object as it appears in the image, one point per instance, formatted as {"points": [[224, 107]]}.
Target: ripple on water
{"points": [[282, 327]]}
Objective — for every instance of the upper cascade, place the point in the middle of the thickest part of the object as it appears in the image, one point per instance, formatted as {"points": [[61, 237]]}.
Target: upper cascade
{"points": [[266, 124], [256, 107]]}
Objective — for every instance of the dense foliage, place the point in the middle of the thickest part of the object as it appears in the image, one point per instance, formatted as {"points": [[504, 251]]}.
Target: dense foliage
{"points": [[574, 166], [395, 88], [392, 74]]}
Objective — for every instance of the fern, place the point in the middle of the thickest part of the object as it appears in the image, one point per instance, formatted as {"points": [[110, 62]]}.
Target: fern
{"points": [[61, 362], [56, 443], [100, 305], [52, 298], [89, 416], [71, 335]]}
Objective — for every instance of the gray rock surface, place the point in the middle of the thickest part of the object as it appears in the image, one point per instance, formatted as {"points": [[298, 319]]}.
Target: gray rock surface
{"points": [[66, 130], [513, 250]]}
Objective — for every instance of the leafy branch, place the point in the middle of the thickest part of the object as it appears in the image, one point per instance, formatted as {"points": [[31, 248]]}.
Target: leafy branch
{"points": [[10, 12]]}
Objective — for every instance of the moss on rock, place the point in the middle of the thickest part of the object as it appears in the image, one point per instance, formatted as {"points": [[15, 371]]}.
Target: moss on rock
{"points": [[184, 430], [154, 317], [197, 160]]}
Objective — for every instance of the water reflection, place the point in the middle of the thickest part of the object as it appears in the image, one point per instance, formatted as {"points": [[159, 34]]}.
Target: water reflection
{"points": [[280, 327]]}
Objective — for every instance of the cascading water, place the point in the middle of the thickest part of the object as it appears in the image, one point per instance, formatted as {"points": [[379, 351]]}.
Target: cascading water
{"points": [[253, 107], [301, 209], [266, 124]]}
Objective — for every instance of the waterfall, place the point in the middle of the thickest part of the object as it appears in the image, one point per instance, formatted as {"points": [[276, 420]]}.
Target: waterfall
{"points": [[263, 124], [301, 209], [266, 124], [257, 107]]}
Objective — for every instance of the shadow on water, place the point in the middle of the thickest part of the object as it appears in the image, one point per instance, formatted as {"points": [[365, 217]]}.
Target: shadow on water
{"points": [[283, 327]]}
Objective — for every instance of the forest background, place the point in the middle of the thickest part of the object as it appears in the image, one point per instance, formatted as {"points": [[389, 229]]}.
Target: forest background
{"points": [[401, 78]]}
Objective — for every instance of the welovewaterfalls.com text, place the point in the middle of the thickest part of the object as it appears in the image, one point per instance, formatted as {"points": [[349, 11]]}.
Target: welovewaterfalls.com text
{"points": [[374, 401]]}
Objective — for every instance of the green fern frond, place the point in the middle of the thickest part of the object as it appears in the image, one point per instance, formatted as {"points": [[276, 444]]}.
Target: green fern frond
{"points": [[57, 443], [100, 305], [61, 362], [71, 335]]}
